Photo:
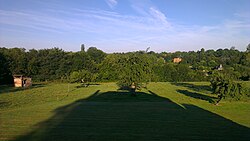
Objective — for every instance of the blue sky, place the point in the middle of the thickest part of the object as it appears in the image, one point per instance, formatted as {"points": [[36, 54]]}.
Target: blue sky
{"points": [[125, 25]]}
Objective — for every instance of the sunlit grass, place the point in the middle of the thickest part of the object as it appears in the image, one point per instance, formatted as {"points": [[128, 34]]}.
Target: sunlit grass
{"points": [[23, 110]]}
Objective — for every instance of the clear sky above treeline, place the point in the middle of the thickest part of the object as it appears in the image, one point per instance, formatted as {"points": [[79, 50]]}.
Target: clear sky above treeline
{"points": [[125, 25]]}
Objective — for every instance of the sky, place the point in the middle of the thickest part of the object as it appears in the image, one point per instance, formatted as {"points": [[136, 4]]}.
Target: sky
{"points": [[125, 25]]}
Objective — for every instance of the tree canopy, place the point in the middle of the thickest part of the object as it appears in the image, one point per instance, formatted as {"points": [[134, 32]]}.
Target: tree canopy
{"points": [[57, 64]]}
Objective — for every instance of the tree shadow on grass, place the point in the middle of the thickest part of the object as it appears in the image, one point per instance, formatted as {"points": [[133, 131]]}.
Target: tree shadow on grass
{"points": [[4, 104], [85, 85], [119, 116], [197, 95], [11, 88], [193, 86]]}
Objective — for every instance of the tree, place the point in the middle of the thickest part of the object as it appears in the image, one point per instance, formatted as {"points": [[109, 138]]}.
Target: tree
{"points": [[233, 48], [80, 60], [82, 76], [109, 68], [245, 59], [17, 60], [181, 73], [202, 54], [135, 69], [33, 63], [248, 48], [96, 54], [75, 77], [226, 88], [82, 47], [49, 62], [167, 72]]}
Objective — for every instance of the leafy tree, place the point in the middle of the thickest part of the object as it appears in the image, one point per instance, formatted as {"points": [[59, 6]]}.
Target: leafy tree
{"points": [[33, 63], [75, 76], [226, 88], [82, 47], [202, 54], [245, 59], [17, 61], [80, 60], [135, 69], [242, 72], [169, 72], [96, 54], [82, 76], [109, 68], [49, 62]]}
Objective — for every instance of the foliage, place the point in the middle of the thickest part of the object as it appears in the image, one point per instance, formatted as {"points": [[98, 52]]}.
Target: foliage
{"points": [[57, 64], [96, 54], [134, 68], [109, 68], [82, 76], [5, 74], [226, 88], [245, 59], [62, 115], [248, 48], [82, 47]]}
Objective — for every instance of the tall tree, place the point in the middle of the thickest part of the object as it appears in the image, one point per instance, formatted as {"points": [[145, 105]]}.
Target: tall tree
{"points": [[96, 54], [82, 47]]}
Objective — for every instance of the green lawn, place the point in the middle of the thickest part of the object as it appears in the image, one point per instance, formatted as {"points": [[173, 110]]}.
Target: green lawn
{"points": [[164, 111]]}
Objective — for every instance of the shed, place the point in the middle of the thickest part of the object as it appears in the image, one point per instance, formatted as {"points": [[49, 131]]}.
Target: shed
{"points": [[22, 81]]}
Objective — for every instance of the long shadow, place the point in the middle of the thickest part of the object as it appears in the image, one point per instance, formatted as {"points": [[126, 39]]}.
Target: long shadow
{"points": [[193, 86], [4, 104], [85, 85], [197, 89], [119, 116], [11, 88], [197, 95]]}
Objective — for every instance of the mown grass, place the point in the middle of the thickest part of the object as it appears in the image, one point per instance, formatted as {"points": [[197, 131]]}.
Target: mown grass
{"points": [[163, 111]]}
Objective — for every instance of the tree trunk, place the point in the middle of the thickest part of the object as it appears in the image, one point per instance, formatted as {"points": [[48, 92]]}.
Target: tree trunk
{"points": [[217, 102]]}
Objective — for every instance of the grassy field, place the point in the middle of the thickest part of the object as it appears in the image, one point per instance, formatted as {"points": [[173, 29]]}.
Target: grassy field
{"points": [[164, 111]]}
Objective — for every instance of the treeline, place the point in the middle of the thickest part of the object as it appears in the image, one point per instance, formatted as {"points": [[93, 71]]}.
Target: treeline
{"points": [[96, 65]]}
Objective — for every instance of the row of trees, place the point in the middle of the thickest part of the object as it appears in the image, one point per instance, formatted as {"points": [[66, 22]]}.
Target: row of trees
{"points": [[96, 65]]}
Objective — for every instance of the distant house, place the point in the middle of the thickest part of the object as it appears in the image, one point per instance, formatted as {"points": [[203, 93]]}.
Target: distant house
{"points": [[22, 81], [177, 60], [220, 68]]}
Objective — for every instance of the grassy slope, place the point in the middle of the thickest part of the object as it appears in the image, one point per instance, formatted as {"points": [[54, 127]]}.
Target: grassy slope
{"points": [[174, 111]]}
